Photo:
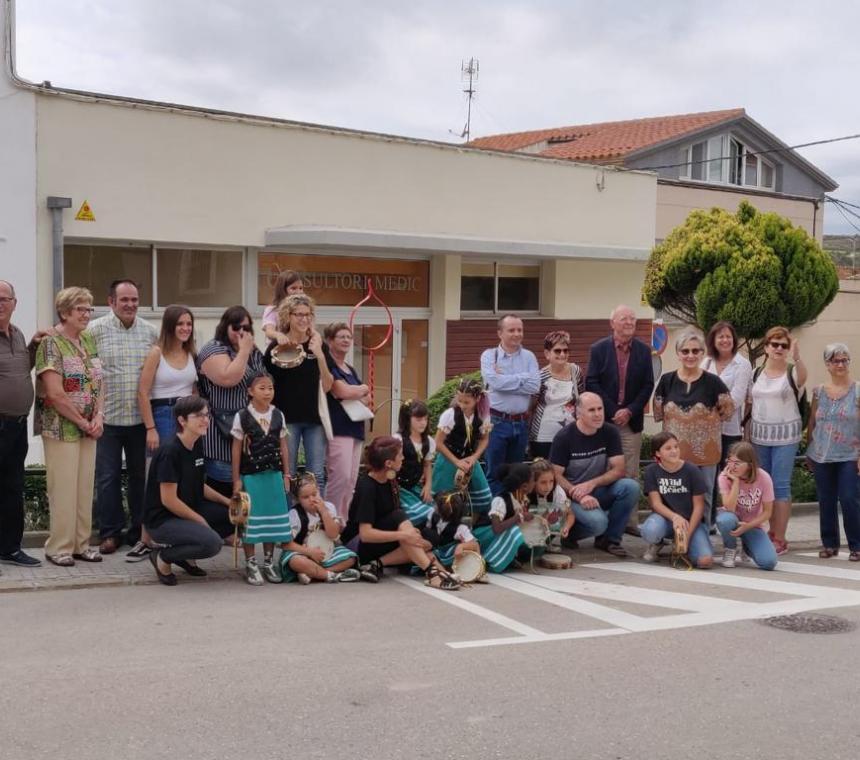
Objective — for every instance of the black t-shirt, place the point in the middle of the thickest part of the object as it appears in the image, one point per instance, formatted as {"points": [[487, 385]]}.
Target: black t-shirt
{"points": [[296, 389], [373, 503], [173, 463], [705, 391], [676, 489], [585, 456]]}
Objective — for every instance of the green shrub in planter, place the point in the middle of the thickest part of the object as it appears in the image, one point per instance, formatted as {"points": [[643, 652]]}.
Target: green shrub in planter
{"points": [[802, 484], [36, 515]]}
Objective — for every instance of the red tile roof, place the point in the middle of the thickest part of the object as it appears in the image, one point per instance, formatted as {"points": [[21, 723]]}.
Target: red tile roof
{"points": [[607, 141]]}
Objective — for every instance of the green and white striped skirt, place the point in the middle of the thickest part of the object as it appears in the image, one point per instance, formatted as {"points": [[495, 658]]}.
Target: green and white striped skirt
{"points": [[479, 490], [268, 521], [499, 550], [339, 554]]}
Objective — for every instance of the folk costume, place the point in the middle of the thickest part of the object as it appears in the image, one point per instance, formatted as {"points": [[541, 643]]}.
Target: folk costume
{"points": [[445, 536], [301, 524], [500, 550], [409, 479], [462, 436]]}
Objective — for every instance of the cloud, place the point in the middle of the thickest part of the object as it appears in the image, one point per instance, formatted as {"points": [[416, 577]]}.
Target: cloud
{"points": [[395, 67]]}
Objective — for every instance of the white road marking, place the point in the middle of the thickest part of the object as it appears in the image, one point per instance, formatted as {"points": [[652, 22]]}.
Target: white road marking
{"points": [[819, 570], [841, 557]]}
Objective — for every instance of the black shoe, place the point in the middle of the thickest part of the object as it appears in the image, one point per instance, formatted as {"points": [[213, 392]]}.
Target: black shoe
{"points": [[192, 570], [370, 572], [569, 543], [21, 559], [633, 530], [168, 579]]}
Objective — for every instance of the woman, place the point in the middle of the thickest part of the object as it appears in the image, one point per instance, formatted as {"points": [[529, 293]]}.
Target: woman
{"points": [[69, 415], [693, 404], [288, 283], [834, 451], [379, 530], [186, 516], [344, 448], [776, 426], [297, 389], [735, 370], [226, 365], [169, 373], [561, 382]]}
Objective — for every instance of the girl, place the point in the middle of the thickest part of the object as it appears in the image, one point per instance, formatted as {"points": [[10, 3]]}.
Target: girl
{"points": [[260, 459], [498, 530], [378, 529], [747, 495], [461, 438], [419, 448], [288, 283], [305, 563], [445, 531], [676, 491], [549, 500]]}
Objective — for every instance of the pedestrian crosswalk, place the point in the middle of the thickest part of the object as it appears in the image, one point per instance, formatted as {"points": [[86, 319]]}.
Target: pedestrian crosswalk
{"points": [[618, 598]]}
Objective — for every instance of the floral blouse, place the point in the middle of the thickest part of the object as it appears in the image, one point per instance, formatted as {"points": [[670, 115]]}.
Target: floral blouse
{"points": [[81, 373], [695, 413], [836, 434]]}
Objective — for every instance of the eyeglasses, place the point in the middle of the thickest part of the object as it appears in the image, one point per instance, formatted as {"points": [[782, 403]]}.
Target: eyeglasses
{"points": [[84, 309], [690, 351], [561, 350], [777, 344], [242, 328], [207, 415], [301, 314], [846, 362]]}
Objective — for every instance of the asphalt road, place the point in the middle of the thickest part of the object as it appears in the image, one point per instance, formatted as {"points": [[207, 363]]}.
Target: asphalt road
{"points": [[220, 670]]}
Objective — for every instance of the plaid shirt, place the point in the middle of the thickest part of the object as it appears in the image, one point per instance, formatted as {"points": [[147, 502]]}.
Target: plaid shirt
{"points": [[122, 351]]}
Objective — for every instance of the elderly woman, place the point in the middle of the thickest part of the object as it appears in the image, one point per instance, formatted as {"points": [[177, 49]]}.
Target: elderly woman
{"points": [[344, 449], [735, 370], [297, 388], [834, 450], [226, 365], [776, 425], [693, 404], [561, 382], [69, 414]]}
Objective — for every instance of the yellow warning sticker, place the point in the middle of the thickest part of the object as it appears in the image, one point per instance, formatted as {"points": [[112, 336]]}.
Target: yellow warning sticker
{"points": [[85, 213]]}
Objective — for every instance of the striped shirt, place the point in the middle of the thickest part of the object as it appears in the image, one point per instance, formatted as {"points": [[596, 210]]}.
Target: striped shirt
{"points": [[224, 400], [122, 351]]}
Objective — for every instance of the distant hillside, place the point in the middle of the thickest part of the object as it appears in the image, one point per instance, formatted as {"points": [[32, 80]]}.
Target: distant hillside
{"points": [[845, 252]]}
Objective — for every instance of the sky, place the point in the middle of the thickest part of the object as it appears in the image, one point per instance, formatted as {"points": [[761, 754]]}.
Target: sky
{"points": [[393, 66]]}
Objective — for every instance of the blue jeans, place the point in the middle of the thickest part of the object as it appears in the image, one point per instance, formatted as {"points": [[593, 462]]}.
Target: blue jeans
{"points": [[115, 440], [838, 483], [778, 462], [219, 471], [185, 539], [755, 541], [656, 528], [312, 437], [508, 441], [617, 502], [165, 423]]}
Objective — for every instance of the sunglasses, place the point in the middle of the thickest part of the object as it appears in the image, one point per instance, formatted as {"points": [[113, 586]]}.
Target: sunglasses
{"points": [[690, 351], [242, 328], [777, 344], [560, 351]]}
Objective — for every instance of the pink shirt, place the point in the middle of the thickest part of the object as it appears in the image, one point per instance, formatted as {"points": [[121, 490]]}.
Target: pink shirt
{"points": [[751, 496], [270, 316]]}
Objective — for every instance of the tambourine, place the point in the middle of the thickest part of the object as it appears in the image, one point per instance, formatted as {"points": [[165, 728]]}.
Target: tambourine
{"points": [[462, 479], [554, 561], [535, 532], [469, 566], [680, 547], [317, 539], [288, 356], [240, 508]]}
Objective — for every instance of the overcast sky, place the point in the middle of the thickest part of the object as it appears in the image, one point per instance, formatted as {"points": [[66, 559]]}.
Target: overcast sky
{"points": [[394, 66]]}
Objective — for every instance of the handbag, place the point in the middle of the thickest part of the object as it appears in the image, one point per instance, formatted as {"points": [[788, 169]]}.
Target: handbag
{"points": [[356, 410]]}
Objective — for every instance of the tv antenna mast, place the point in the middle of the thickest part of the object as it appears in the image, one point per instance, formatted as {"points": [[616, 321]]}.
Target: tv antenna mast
{"points": [[469, 74]]}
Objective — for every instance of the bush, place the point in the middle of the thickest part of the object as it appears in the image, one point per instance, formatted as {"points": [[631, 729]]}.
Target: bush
{"points": [[440, 400], [35, 499], [802, 484]]}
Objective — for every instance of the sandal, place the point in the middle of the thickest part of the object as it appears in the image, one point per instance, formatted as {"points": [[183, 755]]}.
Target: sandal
{"points": [[854, 556], [827, 553], [441, 579], [61, 560], [616, 550], [89, 555]]}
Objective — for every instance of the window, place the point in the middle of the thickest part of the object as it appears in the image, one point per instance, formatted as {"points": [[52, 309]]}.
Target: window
{"points": [[716, 158], [726, 159], [767, 174], [699, 154], [497, 288], [96, 266]]}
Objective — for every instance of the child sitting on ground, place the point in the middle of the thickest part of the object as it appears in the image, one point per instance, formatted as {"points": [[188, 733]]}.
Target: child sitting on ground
{"points": [[549, 500]]}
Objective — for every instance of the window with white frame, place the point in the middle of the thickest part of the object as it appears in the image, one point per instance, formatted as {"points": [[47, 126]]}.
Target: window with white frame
{"points": [[496, 287], [725, 159]]}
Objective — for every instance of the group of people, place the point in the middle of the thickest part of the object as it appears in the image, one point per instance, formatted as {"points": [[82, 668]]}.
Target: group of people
{"points": [[196, 428]]}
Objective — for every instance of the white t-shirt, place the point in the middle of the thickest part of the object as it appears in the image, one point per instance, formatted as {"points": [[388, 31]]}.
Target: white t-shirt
{"points": [[462, 535], [555, 415], [313, 520], [264, 420], [499, 508], [775, 414], [446, 421], [431, 451]]}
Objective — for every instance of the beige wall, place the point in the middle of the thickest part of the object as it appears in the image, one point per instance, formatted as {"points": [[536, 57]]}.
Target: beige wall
{"points": [[591, 289], [675, 202], [444, 305]]}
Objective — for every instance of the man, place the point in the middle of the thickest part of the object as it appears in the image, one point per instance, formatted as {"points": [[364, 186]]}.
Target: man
{"points": [[589, 466], [621, 373], [511, 377], [123, 341], [16, 362]]}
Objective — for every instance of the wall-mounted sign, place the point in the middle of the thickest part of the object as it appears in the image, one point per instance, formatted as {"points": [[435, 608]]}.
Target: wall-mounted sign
{"points": [[85, 213], [342, 280]]}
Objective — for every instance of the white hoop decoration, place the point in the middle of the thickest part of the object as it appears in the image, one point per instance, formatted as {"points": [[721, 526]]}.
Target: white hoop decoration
{"points": [[469, 566], [288, 356], [317, 539]]}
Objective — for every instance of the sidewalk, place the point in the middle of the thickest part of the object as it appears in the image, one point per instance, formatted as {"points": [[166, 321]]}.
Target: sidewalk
{"points": [[115, 571]]}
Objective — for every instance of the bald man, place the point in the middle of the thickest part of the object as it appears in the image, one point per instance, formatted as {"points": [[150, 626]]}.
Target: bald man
{"points": [[589, 465]]}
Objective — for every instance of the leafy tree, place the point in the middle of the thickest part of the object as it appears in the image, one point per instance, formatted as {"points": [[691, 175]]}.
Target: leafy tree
{"points": [[754, 269]]}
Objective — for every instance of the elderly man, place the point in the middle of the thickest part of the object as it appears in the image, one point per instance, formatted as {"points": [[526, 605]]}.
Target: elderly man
{"points": [[16, 362], [589, 465], [620, 372], [511, 377], [123, 341]]}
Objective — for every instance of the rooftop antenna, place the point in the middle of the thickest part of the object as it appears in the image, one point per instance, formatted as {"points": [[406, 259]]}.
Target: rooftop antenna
{"points": [[469, 73]]}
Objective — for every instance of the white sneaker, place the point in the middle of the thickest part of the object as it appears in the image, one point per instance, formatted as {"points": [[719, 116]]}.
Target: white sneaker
{"points": [[729, 557], [252, 573], [651, 553], [303, 579], [743, 557]]}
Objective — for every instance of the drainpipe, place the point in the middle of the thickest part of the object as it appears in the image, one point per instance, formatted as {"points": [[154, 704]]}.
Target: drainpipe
{"points": [[56, 204], [815, 205]]}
